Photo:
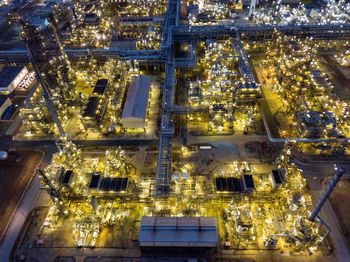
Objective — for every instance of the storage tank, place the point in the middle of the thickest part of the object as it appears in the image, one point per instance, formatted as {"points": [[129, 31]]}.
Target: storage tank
{"points": [[3, 155]]}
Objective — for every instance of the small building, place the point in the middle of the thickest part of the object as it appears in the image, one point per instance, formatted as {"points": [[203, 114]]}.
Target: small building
{"points": [[191, 234], [277, 177], [91, 19], [248, 183], [135, 109], [11, 76], [5, 102], [65, 177]]}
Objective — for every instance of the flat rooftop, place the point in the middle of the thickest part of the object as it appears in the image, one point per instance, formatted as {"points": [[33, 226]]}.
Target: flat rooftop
{"points": [[178, 232], [8, 74], [136, 101]]}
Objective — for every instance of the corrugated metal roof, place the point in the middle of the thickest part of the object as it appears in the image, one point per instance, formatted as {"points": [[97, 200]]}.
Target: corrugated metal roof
{"points": [[8, 74], [178, 231], [136, 101]]}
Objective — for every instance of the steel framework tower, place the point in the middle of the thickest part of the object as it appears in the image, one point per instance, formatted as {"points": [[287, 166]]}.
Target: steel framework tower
{"points": [[36, 58]]}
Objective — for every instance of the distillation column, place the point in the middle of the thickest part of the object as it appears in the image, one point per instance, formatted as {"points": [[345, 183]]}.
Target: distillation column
{"points": [[328, 190]]}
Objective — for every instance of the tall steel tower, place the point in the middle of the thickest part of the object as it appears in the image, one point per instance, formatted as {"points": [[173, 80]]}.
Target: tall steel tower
{"points": [[38, 60]]}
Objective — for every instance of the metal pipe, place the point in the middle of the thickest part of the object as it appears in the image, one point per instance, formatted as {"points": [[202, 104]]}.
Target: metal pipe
{"points": [[326, 225], [56, 34], [113, 32], [328, 190], [284, 235]]}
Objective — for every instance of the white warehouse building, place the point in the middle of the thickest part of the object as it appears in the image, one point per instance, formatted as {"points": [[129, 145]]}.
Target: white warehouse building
{"points": [[11, 76], [135, 109]]}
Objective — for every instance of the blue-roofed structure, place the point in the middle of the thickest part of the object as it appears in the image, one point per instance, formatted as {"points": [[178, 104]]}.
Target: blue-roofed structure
{"points": [[5, 103], [11, 76], [176, 232]]}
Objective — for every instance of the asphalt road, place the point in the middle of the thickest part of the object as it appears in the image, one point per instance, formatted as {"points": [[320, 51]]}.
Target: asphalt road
{"points": [[19, 218], [15, 178], [23, 209], [7, 141]]}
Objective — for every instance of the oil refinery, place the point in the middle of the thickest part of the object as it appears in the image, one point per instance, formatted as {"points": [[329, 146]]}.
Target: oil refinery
{"points": [[178, 130]]}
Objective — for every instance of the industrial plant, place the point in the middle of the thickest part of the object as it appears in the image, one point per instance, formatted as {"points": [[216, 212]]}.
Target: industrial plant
{"points": [[176, 130]]}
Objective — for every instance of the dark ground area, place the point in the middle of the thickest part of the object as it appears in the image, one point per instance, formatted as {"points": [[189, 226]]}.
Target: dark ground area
{"points": [[340, 201], [14, 178]]}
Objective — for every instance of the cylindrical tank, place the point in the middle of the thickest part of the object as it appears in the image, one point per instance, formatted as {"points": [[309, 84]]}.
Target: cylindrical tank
{"points": [[3, 155]]}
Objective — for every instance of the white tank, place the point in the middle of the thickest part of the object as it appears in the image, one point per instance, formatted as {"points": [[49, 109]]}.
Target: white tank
{"points": [[176, 177], [3, 155], [185, 176]]}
